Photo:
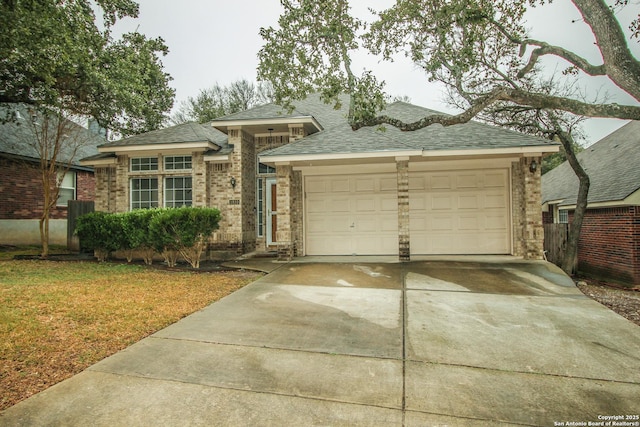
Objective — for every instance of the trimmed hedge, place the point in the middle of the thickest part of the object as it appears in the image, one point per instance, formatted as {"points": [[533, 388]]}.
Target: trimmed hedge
{"points": [[168, 231]]}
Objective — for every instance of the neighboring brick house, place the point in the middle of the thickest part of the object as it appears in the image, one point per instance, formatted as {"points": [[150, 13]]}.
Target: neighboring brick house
{"points": [[306, 184], [21, 194], [609, 245]]}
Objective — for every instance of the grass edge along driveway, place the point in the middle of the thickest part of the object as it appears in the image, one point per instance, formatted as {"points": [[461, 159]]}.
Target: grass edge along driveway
{"points": [[58, 318]]}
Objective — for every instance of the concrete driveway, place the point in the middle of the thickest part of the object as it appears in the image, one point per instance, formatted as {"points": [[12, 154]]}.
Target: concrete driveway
{"points": [[368, 342]]}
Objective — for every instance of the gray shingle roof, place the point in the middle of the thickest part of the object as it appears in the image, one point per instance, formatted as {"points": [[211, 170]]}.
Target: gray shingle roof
{"points": [[182, 133], [612, 166], [18, 137], [339, 138]]}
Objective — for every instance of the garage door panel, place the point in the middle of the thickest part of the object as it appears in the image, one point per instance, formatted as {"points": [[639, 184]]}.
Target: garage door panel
{"points": [[340, 185], [367, 205], [442, 202], [389, 204], [466, 181], [441, 182], [389, 184], [495, 201], [364, 185], [468, 223], [417, 183], [468, 201]]}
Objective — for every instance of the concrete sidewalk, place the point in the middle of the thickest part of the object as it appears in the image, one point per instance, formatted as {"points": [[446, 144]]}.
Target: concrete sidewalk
{"points": [[368, 342]]}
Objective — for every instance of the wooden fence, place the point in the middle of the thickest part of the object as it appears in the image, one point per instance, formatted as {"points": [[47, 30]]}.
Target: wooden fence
{"points": [[555, 242], [75, 209]]}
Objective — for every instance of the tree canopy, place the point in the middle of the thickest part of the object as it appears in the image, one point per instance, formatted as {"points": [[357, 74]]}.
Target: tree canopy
{"points": [[218, 101], [479, 49], [59, 54]]}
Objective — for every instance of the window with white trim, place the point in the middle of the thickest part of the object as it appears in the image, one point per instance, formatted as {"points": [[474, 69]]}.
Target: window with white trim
{"points": [[144, 193], [177, 162], [142, 164], [177, 191], [563, 216], [67, 189], [265, 169]]}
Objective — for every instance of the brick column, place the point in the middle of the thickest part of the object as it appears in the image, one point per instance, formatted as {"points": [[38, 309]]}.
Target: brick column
{"points": [[404, 249], [284, 176], [122, 185], [528, 231], [199, 180]]}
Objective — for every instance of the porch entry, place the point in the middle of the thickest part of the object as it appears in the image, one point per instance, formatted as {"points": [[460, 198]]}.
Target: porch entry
{"points": [[272, 212]]}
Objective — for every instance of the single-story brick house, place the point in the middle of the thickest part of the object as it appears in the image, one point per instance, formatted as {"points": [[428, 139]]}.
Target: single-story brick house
{"points": [[21, 193], [304, 183], [609, 245]]}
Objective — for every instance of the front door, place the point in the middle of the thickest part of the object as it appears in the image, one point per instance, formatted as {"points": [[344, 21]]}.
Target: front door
{"points": [[272, 212]]}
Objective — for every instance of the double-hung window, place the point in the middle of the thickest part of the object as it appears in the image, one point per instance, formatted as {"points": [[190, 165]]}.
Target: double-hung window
{"points": [[166, 187], [177, 191], [144, 193], [67, 188]]}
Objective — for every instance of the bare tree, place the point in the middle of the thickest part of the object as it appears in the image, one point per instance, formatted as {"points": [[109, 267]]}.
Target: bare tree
{"points": [[56, 141], [218, 101]]}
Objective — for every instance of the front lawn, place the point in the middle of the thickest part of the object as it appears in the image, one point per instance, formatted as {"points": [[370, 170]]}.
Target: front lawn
{"points": [[58, 318]]}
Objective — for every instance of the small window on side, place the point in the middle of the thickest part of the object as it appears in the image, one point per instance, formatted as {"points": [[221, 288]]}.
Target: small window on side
{"points": [[563, 217]]}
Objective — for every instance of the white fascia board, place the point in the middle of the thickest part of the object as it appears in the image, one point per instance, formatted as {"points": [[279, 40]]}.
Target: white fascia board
{"points": [[488, 152], [532, 151], [220, 158], [239, 123], [338, 156], [99, 162], [632, 199], [146, 148]]}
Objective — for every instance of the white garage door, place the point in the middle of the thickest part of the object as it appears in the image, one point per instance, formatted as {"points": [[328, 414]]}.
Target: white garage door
{"points": [[459, 212], [351, 214]]}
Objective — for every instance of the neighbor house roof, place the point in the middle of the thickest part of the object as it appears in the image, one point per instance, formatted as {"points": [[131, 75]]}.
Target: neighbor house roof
{"points": [[611, 164], [18, 135]]}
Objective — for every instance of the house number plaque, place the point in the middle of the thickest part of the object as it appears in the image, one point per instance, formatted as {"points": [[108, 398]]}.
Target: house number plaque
{"points": [[234, 202]]}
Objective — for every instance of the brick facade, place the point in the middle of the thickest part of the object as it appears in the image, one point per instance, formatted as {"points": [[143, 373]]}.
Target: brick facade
{"points": [[609, 245], [22, 195]]}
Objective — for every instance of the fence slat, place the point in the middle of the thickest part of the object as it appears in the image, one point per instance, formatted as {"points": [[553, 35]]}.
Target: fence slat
{"points": [[75, 209], [555, 242]]}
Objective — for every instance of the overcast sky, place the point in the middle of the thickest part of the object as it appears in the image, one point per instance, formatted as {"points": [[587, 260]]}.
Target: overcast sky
{"points": [[217, 41]]}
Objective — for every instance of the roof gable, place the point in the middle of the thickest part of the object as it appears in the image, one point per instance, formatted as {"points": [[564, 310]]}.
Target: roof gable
{"points": [[182, 133], [611, 164]]}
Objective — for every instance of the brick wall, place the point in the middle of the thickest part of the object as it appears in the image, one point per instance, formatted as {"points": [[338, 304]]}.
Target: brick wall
{"points": [[21, 190], [609, 245]]}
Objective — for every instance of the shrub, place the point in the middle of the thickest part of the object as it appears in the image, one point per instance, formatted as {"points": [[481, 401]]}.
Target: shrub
{"points": [[183, 230], [100, 232], [137, 234]]}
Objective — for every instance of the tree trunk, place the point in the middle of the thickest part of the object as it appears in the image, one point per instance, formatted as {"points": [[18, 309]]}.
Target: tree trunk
{"points": [[44, 235], [570, 261]]}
